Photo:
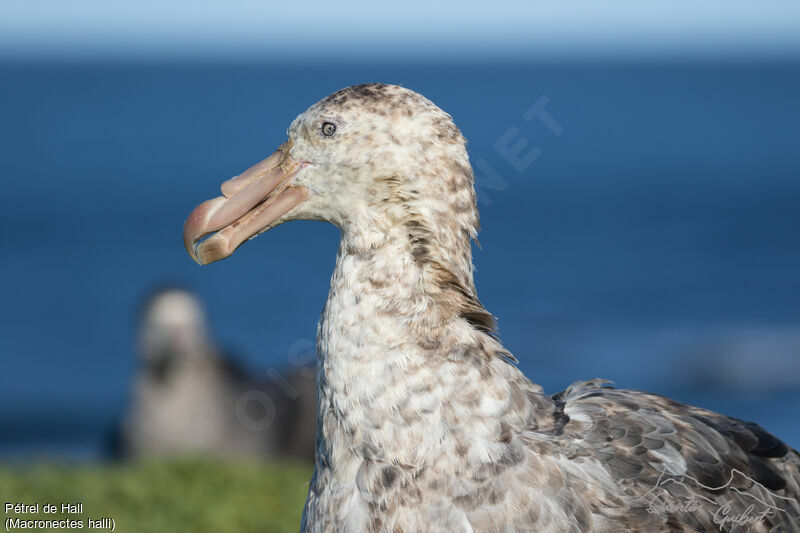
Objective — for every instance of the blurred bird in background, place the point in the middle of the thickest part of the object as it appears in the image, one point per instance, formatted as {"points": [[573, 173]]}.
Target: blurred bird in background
{"points": [[191, 397]]}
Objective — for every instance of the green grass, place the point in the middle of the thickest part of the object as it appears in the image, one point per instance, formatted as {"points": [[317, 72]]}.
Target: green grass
{"points": [[194, 496]]}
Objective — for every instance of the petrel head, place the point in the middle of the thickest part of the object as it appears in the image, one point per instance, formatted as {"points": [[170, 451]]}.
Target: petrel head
{"points": [[369, 156]]}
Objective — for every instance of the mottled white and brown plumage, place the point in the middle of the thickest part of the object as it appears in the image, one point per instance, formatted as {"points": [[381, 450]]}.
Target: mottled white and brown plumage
{"points": [[424, 421]]}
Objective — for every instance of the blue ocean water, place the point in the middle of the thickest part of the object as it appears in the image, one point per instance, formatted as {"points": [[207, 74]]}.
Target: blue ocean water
{"points": [[654, 241]]}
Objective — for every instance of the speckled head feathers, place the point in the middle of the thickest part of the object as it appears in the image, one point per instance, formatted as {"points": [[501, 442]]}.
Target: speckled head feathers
{"points": [[393, 151]]}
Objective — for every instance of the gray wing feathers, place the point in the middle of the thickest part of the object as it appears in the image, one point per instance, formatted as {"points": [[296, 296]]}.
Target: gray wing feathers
{"points": [[693, 469]]}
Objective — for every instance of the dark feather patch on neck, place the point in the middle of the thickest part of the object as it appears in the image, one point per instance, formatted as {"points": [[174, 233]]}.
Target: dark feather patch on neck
{"points": [[453, 292], [466, 304]]}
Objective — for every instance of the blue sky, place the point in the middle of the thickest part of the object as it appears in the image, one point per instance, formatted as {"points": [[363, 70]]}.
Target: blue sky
{"points": [[414, 28]]}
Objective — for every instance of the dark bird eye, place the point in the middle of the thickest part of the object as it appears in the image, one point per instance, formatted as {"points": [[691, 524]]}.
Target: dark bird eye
{"points": [[328, 129]]}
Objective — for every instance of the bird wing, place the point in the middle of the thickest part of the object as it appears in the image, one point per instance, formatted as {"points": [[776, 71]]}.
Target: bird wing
{"points": [[690, 468]]}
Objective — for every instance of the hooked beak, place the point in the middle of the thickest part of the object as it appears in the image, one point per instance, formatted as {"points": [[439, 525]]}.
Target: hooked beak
{"points": [[251, 203]]}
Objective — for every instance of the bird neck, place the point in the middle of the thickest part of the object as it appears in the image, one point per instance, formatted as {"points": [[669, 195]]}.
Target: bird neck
{"points": [[391, 325], [408, 283]]}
